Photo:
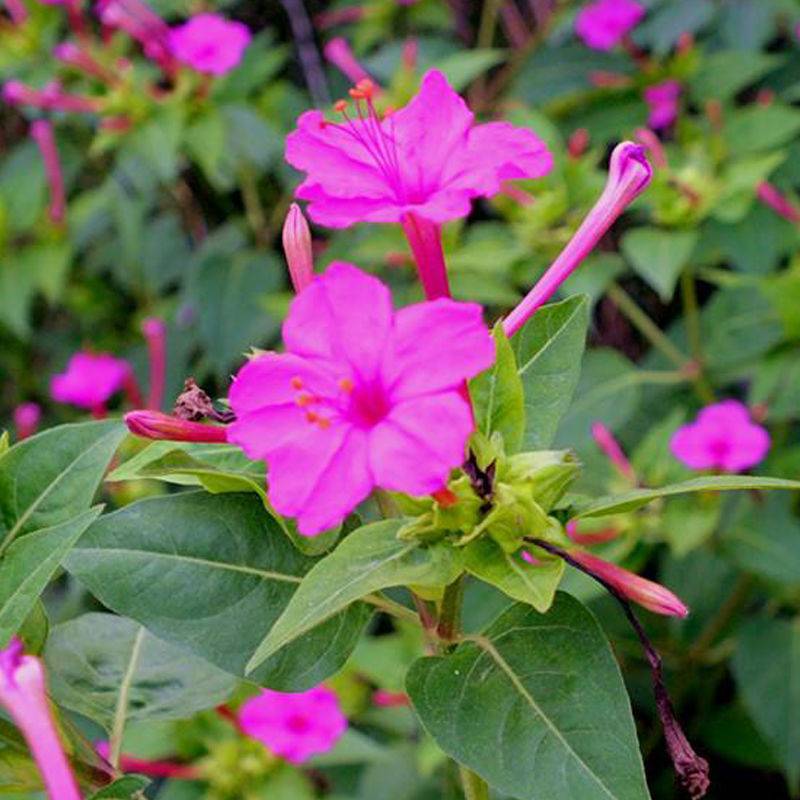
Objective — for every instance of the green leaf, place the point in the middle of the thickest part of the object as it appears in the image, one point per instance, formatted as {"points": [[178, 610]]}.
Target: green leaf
{"points": [[766, 666], [549, 349], [462, 67], [30, 563], [369, 559], [534, 584], [498, 397], [49, 478], [536, 706], [94, 658], [659, 256], [211, 573], [756, 128], [123, 788], [727, 72], [713, 483]]}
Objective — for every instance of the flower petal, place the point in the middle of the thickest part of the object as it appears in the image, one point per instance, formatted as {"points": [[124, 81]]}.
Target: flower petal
{"points": [[344, 315], [416, 446], [436, 346]]}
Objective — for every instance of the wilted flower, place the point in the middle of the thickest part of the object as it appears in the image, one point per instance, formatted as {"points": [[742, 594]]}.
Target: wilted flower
{"points": [[363, 397], [90, 380], [723, 437], [294, 726], [603, 24], [23, 695], [663, 101], [210, 43], [629, 174]]}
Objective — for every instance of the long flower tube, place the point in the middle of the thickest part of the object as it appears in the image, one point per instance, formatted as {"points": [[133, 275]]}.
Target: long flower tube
{"points": [[42, 134], [23, 695], [629, 174], [155, 333]]}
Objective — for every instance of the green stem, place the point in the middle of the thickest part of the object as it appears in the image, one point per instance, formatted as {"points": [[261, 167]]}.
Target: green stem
{"points": [[390, 607], [253, 210], [121, 710], [475, 787], [694, 333], [642, 322], [487, 24], [449, 628]]}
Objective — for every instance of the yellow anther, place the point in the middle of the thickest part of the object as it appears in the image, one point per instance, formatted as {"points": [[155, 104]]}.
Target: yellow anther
{"points": [[296, 382], [346, 385]]}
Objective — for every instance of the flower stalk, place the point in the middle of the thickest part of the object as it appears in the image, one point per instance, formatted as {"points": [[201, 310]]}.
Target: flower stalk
{"points": [[425, 240]]}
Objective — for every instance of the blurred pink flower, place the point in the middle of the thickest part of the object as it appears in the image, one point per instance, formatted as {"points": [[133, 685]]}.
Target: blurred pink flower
{"points": [[648, 594], [26, 419], [23, 695], [49, 98], [428, 158], [363, 397], [42, 134], [723, 437], [771, 196], [140, 22], [210, 43], [603, 24], [294, 727], [612, 449], [663, 101], [386, 699], [90, 380], [340, 54]]}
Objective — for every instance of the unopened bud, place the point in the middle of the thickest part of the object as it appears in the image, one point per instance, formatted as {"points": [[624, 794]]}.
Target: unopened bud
{"points": [[297, 247], [157, 425]]}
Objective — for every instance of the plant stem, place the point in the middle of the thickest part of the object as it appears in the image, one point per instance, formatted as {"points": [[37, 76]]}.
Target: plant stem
{"points": [[310, 61], [253, 210], [475, 787], [691, 313], [121, 710], [449, 627], [642, 322], [390, 607]]}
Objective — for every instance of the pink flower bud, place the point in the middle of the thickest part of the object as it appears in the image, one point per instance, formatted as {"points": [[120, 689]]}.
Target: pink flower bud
{"points": [[340, 54], [26, 419], [23, 695], [610, 446], [653, 145], [387, 699], [648, 594], [629, 174], [779, 203], [157, 425], [42, 134], [17, 11], [297, 247], [410, 54]]}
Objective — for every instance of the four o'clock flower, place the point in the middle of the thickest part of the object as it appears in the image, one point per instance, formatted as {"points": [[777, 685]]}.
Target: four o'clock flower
{"points": [[42, 134], [629, 174], [603, 24], [663, 101], [90, 380], [297, 248], [294, 727], [723, 437], [209, 43], [23, 695], [365, 396], [151, 424], [420, 166]]}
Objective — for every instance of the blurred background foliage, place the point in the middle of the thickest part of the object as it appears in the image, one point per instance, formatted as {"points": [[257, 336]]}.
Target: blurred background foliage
{"points": [[176, 212]]}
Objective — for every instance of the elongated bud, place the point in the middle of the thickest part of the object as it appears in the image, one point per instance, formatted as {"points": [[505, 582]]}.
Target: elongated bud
{"points": [[340, 54], [42, 134], [610, 446], [154, 769], [387, 699], [157, 425], [154, 331], [26, 419], [648, 594], [297, 247], [629, 174], [23, 695], [778, 202], [51, 98], [652, 144], [410, 54]]}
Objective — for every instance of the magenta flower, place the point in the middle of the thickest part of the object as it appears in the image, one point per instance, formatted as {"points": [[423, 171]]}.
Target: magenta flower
{"points": [[23, 695], [428, 159], [363, 397], [90, 380], [663, 101], [210, 43], [629, 174], [723, 437], [294, 726], [603, 24], [27, 417]]}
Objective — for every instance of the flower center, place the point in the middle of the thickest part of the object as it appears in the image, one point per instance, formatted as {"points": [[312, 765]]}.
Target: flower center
{"points": [[299, 724], [720, 448], [368, 405]]}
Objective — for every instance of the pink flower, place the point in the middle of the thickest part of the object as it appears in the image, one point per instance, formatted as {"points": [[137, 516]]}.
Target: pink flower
{"points": [[663, 101], [771, 196], [210, 43], [26, 419], [723, 437], [90, 380], [23, 695], [139, 21], [629, 174], [603, 24], [648, 594], [363, 397], [428, 158], [294, 726], [606, 441], [158, 425]]}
